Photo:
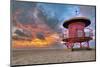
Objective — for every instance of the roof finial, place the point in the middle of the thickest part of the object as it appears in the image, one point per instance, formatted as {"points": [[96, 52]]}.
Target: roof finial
{"points": [[76, 12]]}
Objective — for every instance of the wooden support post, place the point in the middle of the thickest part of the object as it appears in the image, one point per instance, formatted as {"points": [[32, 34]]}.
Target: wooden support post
{"points": [[69, 45], [88, 44], [80, 45]]}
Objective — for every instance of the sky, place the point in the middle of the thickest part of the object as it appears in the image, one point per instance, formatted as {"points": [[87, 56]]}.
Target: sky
{"points": [[52, 15]]}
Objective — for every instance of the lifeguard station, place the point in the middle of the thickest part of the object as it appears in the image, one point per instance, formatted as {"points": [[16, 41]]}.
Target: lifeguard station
{"points": [[76, 33]]}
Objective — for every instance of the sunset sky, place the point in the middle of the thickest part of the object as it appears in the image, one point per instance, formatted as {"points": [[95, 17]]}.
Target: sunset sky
{"points": [[47, 16]]}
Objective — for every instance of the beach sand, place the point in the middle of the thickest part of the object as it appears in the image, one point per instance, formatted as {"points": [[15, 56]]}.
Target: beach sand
{"points": [[43, 56]]}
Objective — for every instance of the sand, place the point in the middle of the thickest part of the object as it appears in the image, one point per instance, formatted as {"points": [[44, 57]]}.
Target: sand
{"points": [[43, 56]]}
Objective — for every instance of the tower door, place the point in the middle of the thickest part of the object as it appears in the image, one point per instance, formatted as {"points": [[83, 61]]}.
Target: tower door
{"points": [[79, 33]]}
